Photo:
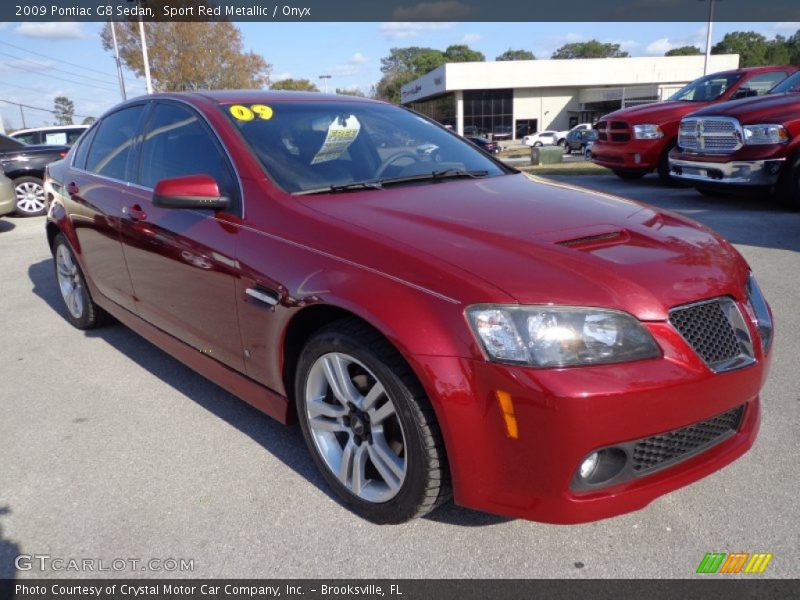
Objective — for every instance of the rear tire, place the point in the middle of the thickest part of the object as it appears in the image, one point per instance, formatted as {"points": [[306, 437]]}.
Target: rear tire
{"points": [[369, 425], [29, 194], [629, 175], [82, 312]]}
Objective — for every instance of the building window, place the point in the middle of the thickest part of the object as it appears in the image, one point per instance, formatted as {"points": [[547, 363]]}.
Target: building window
{"points": [[441, 109], [489, 112]]}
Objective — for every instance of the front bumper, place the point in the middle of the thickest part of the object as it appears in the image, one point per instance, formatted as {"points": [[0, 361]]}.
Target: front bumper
{"points": [[757, 173], [634, 155], [8, 201], [565, 414]]}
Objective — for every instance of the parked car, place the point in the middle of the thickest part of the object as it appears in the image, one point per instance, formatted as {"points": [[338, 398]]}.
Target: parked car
{"points": [[541, 138], [472, 131], [485, 144], [546, 352], [635, 141], [7, 198], [582, 126], [751, 144], [58, 135], [577, 139], [24, 165], [587, 151], [502, 132]]}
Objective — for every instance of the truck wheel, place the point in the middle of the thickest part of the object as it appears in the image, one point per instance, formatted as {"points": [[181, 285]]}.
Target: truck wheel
{"points": [[629, 174], [711, 192], [663, 166], [787, 191], [369, 425]]}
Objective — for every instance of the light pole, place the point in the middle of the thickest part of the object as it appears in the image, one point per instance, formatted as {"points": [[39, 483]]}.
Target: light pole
{"points": [[708, 35], [116, 58], [325, 79]]}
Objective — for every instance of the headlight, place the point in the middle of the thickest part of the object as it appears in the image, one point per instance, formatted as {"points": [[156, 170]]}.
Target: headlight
{"points": [[560, 336], [760, 135], [647, 132], [761, 310]]}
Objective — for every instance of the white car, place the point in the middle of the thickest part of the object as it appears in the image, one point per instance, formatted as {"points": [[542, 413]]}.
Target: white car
{"points": [[58, 135], [543, 138], [581, 126]]}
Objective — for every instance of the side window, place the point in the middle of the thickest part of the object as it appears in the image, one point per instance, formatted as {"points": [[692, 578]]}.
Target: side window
{"points": [[176, 143], [26, 138], [79, 162], [762, 83], [113, 143], [73, 135]]}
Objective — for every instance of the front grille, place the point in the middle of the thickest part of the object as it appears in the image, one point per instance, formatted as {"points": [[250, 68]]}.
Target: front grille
{"points": [[709, 135], [661, 450], [620, 137], [619, 125], [715, 329]]}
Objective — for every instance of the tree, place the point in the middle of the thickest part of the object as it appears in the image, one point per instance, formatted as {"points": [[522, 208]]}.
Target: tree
{"points": [[190, 56], [683, 51], [88, 121], [299, 85], [778, 51], [64, 110], [350, 92], [749, 45], [590, 49], [516, 55], [462, 53]]}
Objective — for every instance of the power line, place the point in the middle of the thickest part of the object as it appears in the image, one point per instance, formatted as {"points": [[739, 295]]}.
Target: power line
{"points": [[52, 112], [51, 67], [40, 92], [60, 60], [51, 76]]}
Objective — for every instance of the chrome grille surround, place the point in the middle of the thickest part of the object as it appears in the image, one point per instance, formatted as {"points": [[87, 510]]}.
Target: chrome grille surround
{"points": [[710, 135], [716, 330]]}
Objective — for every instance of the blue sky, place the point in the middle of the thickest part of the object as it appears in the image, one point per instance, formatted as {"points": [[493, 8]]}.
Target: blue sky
{"points": [[40, 61]]}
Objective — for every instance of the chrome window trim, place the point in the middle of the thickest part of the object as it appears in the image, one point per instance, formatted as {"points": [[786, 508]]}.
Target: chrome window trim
{"points": [[736, 319]]}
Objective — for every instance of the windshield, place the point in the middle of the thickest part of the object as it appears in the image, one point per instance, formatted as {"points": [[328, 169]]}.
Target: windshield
{"points": [[790, 84], [707, 88], [308, 146]]}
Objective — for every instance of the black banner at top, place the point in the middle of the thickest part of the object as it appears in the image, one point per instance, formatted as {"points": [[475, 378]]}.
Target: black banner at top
{"points": [[400, 10]]}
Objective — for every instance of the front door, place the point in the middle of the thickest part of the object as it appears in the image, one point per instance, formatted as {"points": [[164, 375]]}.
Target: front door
{"points": [[182, 261]]}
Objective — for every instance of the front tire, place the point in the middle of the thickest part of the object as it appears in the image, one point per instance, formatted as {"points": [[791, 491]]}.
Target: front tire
{"points": [[787, 191], [29, 194], [369, 425], [82, 312], [629, 175]]}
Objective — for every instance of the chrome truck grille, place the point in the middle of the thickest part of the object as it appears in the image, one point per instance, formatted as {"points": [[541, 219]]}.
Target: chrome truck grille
{"points": [[710, 135]]}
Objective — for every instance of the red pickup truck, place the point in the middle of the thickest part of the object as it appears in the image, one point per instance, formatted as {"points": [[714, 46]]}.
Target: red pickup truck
{"points": [[749, 144], [635, 141]]}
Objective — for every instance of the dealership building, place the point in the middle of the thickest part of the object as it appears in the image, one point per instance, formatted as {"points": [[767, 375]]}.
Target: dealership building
{"points": [[526, 96]]}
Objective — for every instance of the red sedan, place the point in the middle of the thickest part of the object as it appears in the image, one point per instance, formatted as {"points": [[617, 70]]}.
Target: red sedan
{"points": [[437, 322]]}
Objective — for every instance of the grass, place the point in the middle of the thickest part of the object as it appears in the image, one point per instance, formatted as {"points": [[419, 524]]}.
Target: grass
{"points": [[583, 167]]}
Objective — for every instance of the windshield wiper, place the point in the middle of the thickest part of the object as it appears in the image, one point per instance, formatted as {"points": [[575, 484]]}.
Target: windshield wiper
{"points": [[344, 187], [435, 175]]}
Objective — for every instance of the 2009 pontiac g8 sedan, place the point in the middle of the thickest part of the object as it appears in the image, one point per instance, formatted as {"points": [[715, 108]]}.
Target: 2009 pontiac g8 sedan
{"points": [[437, 322]]}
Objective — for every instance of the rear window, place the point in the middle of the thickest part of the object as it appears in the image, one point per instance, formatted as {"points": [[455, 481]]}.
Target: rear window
{"points": [[788, 85], [113, 143]]}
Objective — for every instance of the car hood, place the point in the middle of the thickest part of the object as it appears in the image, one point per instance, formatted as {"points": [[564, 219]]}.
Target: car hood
{"points": [[648, 113], [763, 109], [544, 242]]}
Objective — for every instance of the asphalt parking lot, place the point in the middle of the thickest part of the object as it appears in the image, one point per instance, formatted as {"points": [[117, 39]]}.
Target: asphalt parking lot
{"points": [[110, 449]]}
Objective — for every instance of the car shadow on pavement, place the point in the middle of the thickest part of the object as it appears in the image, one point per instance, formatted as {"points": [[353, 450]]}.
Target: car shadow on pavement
{"points": [[8, 554], [6, 225], [285, 443]]}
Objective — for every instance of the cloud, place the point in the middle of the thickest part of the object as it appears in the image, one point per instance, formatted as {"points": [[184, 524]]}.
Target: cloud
{"points": [[658, 47], [433, 11], [661, 45], [351, 67], [62, 30], [471, 38], [627, 45], [280, 76], [406, 30], [786, 27]]}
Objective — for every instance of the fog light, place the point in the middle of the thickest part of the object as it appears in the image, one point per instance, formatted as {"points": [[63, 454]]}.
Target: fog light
{"points": [[637, 158], [589, 465]]}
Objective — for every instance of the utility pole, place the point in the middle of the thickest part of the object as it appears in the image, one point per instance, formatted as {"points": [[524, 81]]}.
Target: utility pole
{"points": [[325, 80], [119, 63], [22, 114]]}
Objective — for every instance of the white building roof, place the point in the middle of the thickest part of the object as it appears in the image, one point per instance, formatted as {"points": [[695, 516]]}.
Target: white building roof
{"points": [[582, 72]]}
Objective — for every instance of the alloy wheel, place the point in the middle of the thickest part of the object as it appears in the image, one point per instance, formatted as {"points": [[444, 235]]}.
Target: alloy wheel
{"points": [[30, 197], [355, 427], [69, 281]]}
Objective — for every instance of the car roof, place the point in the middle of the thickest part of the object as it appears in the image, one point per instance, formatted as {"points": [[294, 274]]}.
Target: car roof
{"points": [[265, 96], [49, 128]]}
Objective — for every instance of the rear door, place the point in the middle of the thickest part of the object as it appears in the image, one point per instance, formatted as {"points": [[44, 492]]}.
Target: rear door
{"points": [[97, 184], [182, 261]]}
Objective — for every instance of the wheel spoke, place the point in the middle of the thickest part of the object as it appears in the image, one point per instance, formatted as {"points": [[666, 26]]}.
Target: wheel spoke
{"points": [[319, 408], [339, 379], [375, 392], [386, 472], [346, 466], [326, 424], [383, 413], [359, 478]]}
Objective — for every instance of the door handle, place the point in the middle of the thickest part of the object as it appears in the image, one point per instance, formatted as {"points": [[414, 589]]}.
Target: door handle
{"points": [[134, 213], [72, 188]]}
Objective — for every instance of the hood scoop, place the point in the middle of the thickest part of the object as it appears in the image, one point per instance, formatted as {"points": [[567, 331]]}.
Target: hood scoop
{"points": [[596, 240]]}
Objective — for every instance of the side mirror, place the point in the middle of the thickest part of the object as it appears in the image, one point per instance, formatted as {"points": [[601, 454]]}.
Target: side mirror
{"points": [[191, 191]]}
